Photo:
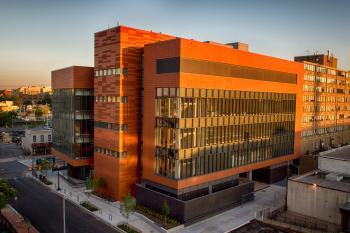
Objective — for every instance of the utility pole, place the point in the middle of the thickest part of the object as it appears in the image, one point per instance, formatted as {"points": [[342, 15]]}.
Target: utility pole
{"points": [[58, 179], [64, 213]]}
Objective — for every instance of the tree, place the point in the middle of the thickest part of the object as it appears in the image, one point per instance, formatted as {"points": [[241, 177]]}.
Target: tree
{"points": [[92, 184], [165, 209], [6, 118], [127, 207], [101, 183], [6, 192], [46, 99], [45, 166], [39, 112]]}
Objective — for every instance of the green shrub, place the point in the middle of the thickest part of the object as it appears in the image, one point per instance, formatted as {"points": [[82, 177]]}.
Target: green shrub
{"points": [[128, 228], [89, 206], [170, 222]]}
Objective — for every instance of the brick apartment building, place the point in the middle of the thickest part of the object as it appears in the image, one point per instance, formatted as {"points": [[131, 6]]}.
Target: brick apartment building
{"points": [[181, 120], [326, 110]]}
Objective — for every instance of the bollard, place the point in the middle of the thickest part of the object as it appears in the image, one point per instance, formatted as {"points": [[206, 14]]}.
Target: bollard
{"points": [[110, 217]]}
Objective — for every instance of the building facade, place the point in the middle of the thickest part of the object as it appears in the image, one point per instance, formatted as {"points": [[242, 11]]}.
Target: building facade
{"points": [[72, 121], [117, 115], [7, 106], [212, 112], [37, 141], [177, 120], [326, 110]]}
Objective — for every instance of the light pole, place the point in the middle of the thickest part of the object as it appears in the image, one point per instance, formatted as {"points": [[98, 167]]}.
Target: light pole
{"points": [[58, 179], [64, 213]]}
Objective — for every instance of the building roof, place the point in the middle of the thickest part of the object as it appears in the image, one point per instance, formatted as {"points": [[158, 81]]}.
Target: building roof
{"points": [[341, 153], [319, 179], [256, 226], [40, 128]]}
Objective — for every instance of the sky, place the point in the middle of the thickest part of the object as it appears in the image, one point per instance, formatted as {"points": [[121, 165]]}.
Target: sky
{"points": [[38, 36]]}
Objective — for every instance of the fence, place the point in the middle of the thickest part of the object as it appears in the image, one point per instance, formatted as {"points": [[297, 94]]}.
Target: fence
{"points": [[295, 221]]}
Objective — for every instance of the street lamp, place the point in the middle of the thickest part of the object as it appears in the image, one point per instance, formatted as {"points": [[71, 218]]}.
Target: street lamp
{"points": [[64, 213], [58, 180]]}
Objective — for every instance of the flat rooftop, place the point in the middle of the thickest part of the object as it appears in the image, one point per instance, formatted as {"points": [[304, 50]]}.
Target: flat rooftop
{"points": [[256, 226], [319, 178], [341, 153]]}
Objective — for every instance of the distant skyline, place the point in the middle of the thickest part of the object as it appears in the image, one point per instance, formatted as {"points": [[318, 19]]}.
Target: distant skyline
{"points": [[38, 36]]}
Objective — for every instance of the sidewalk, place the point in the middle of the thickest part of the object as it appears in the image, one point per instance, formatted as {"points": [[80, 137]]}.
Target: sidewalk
{"points": [[108, 211], [272, 197]]}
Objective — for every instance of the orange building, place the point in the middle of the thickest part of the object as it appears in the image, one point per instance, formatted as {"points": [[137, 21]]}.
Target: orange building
{"points": [[117, 108], [212, 112], [181, 120], [72, 119]]}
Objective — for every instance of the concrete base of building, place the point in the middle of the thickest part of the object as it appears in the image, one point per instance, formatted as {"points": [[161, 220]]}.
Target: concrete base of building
{"points": [[271, 174], [198, 205]]}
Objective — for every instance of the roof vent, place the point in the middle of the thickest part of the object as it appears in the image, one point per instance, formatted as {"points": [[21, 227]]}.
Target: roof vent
{"points": [[239, 46], [334, 177]]}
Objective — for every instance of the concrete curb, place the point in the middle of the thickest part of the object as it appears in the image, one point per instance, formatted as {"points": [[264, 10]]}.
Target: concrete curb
{"points": [[78, 205]]}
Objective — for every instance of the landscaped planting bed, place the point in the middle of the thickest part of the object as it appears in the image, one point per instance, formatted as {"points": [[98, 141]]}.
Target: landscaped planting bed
{"points": [[158, 217], [89, 206], [128, 228]]}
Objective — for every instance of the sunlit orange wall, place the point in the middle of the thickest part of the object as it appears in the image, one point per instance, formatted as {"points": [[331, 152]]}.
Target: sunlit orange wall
{"points": [[120, 47], [216, 53]]}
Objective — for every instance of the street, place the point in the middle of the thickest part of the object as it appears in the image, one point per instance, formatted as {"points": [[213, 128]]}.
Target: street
{"points": [[43, 207], [9, 151]]}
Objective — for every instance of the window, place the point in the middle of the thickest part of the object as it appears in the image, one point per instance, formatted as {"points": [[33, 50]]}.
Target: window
{"points": [[49, 138], [34, 138], [124, 127], [125, 71], [41, 138]]}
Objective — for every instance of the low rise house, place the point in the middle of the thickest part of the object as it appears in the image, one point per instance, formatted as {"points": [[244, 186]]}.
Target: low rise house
{"points": [[7, 106], [37, 141], [324, 193]]}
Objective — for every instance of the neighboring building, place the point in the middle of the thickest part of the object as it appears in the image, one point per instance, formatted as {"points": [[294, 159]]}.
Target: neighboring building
{"points": [[72, 119], [256, 226], [37, 141], [5, 137], [213, 112], [326, 104], [7, 106], [6, 92], [325, 192], [33, 91], [46, 90]]}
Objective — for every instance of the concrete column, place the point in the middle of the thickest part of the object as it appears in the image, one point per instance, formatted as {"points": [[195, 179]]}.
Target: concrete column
{"points": [[250, 175]]}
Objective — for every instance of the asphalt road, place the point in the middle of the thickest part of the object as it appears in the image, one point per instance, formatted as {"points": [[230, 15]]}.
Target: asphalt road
{"points": [[12, 170], [43, 208], [9, 150]]}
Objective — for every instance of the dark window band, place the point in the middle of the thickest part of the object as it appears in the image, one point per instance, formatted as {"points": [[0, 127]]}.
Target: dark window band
{"points": [[175, 64]]}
